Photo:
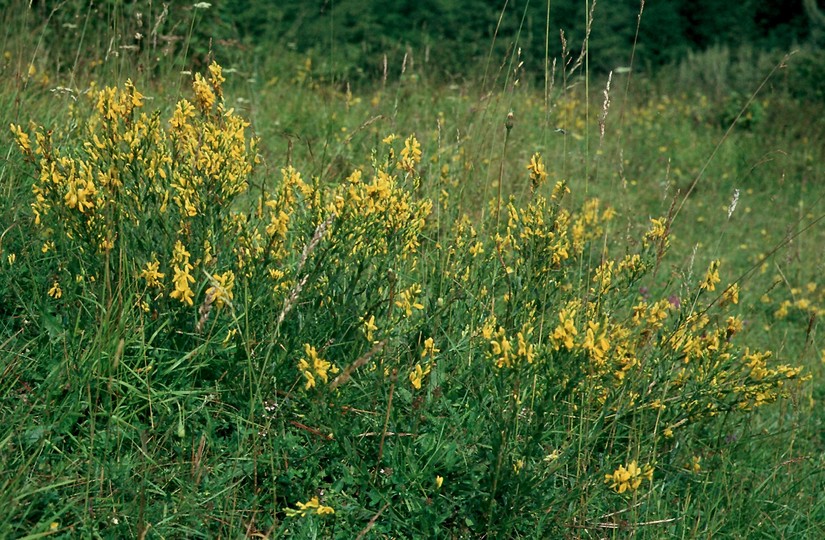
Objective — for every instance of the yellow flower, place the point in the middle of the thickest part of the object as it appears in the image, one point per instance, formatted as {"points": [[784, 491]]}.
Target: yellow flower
{"points": [[658, 229], [438, 481], [311, 506], [369, 327], [429, 348], [525, 349], [313, 366], [407, 302], [734, 324], [55, 292], [559, 190], [538, 174], [711, 277], [22, 137], [566, 331], [501, 349], [417, 375], [151, 275], [204, 96], [182, 277], [628, 478], [731, 294], [216, 77], [304, 366], [410, 154], [221, 290]]}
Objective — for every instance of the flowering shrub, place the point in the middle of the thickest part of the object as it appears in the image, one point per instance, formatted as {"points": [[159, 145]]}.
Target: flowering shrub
{"points": [[132, 191], [344, 311]]}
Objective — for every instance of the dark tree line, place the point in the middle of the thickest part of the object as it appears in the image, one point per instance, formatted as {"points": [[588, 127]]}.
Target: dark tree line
{"points": [[448, 35]]}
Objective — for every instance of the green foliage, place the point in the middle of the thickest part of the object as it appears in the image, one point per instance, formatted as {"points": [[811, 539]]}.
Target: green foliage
{"points": [[805, 74], [272, 316], [350, 39]]}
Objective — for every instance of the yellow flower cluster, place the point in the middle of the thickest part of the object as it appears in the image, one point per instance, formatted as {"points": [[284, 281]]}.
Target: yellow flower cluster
{"points": [[221, 290], [314, 367], [538, 174], [130, 181], [566, 331], [312, 506], [429, 350], [541, 233], [501, 346], [417, 375], [152, 275], [628, 478], [410, 155], [182, 277], [407, 300], [711, 277]]}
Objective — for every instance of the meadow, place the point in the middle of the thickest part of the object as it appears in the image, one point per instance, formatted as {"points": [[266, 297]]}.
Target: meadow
{"points": [[241, 297]]}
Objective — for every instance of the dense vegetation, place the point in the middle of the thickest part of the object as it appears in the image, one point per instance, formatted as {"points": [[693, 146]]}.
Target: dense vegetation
{"points": [[253, 283], [353, 39]]}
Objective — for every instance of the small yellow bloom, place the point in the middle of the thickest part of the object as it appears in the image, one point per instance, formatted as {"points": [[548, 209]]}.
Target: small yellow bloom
{"points": [[55, 292], [407, 300], [410, 154], [312, 506], [312, 366], [429, 348], [538, 174], [151, 274], [438, 481], [559, 190], [731, 294], [204, 95], [657, 228], [369, 327], [566, 331], [417, 375], [221, 289], [182, 277], [22, 137], [628, 478], [501, 349], [711, 277]]}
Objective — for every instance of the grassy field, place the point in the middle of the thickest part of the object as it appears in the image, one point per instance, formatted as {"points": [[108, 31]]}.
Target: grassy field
{"points": [[245, 299]]}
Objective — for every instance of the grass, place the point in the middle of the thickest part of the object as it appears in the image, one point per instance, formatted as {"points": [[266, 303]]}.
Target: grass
{"points": [[396, 347]]}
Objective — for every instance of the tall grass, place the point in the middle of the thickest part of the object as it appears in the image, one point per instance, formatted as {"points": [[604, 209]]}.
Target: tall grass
{"points": [[246, 302]]}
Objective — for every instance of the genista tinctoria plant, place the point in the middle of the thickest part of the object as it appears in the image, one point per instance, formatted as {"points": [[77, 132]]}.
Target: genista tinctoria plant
{"points": [[127, 201], [126, 194], [346, 296]]}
